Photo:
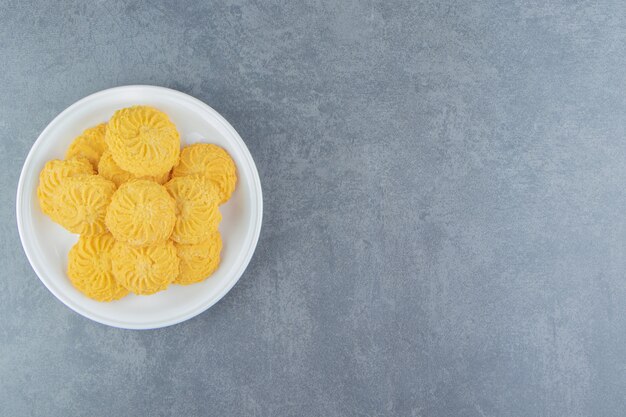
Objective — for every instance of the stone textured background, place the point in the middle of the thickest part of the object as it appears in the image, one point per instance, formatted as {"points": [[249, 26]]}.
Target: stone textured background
{"points": [[445, 209]]}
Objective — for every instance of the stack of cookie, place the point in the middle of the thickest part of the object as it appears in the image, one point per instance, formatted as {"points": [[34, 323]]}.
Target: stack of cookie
{"points": [[147, 212]]}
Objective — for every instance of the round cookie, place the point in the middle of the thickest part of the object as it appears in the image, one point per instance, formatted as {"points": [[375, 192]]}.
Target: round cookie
{"points": [[143, 141], [198, 262], [197, 212], [111, 171], [90, 271], [51, 176], [213, 163], [145, 270], [89, 145], [141, 213], [80, 204]]}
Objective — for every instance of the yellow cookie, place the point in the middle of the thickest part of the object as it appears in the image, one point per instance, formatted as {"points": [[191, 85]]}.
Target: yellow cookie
{"points": [[198, 262], [90, 271], [141, 213], [197, 212], [143, 141], [109, 170], [145, 270], [212, 162], [89, 145], [80, 204], [52, 174]]}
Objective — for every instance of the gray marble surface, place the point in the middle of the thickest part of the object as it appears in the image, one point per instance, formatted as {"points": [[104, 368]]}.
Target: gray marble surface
{"points": [[445, 209]]}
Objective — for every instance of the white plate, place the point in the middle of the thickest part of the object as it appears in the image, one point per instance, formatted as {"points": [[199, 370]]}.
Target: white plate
{"points": [[46, 244]]}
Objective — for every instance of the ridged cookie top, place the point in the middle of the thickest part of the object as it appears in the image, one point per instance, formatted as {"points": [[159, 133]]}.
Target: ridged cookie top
{"points": [[199, 261], [81, 202], [213, 163], [90, 270], [197, 212], [143, 141], [53, 174], [141, 213], [145, 270]]}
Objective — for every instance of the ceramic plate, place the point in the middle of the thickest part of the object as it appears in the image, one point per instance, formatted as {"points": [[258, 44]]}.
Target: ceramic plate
{"points": [[46, 244]]}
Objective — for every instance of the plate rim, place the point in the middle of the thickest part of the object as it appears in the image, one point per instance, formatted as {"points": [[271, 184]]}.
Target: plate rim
{"points": [[258, 219]]}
